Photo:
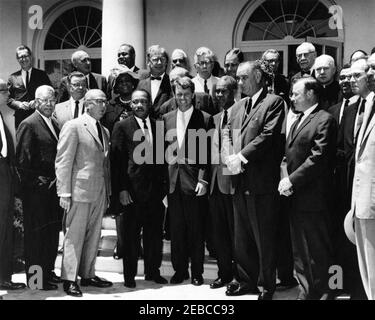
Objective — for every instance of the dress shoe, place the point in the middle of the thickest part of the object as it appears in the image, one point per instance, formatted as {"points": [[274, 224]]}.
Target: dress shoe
{"points": [[233, 285], [48, 286], [9, 285], [218, 283], [197, 281], [179, 278], [265, 296], [157, 279], [96, 282], [54, 278], [130, 283], [286, 285], [241, 290], [72, 289], [116, 254]]}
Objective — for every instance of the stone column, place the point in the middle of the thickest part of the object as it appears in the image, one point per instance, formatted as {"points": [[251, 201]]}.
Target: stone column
{"points": [[123, 22]]}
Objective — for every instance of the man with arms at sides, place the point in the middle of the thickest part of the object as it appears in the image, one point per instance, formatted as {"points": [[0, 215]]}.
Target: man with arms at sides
{"points": [[81, 62], [187, 156], [310, 155], [22, 85], [201, 100], [158, 83], [305, 54], [362, 207], [204, 81], [221, 189], [255, 125], [179, 59], [37, 138], [7, 185], [73, 107], [231, 62], [138, 182], [325, 72], [83, 185], [125, 58]]}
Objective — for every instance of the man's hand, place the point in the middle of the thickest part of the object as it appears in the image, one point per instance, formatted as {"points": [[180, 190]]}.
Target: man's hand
{"points": [[285, 187], [24, 105], [233, 163], [125, 198], [65, 203], [200, 189]]}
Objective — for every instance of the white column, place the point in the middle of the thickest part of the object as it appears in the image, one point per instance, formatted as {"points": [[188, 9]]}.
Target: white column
{"points": [[123, 22]]}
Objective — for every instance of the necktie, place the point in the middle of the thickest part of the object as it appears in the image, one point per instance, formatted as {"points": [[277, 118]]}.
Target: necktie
{"points": [[293, 129], [99, 132], [83, 109], [76, 109], [247, 109], [147, 134], [225, 119], [27, 79], [155, 78], [360, 119], [205, 86]]}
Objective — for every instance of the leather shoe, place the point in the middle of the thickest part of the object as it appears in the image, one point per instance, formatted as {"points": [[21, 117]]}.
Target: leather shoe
{"points": [[130, 283], [218, 283], [197, 281], [72, 289], [48, 285], [241, 290], [157, 279], [286, 285], [233, 285], [54, 278], [178, 278], [265, 296], [9, 285], [96, 282]]}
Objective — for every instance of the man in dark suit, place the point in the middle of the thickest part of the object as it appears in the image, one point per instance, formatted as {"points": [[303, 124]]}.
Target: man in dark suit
{"points": [[310, 155], [138, 182], [158, 83], [7, 185], [187, 155], [305, 54], [221, 189], [22, 85], [37, 138], [255, 124], [81, 62]]}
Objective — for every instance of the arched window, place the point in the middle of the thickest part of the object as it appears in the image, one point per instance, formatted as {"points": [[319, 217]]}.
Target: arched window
{"points": [[283, 25]]}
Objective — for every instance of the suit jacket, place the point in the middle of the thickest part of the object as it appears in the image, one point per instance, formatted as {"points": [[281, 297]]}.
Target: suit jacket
{"points": [[97, 81], [10, 147], [219, 173], [82, 163], [330, 95], [190, 163], [201, 101], [62, 113], [18, 92], [144, 181], [116, 110], [281, 87], [36, 151], [260, 141], [310, 156], [363, 194], [163, 95]]}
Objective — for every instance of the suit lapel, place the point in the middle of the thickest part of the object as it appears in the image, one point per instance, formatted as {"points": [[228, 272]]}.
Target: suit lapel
{"points": [[45, 126], [366, 134], [93, 83], [302, 125], [255, 107], [162, 88], [92, 131]]}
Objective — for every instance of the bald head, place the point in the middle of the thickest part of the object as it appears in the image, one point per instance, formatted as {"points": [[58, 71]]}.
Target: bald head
{"points": [[45, 100], [95, 103], [325, 69], [81, 61], [305, 54]]}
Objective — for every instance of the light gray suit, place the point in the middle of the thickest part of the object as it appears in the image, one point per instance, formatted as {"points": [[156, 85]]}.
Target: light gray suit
{"points": [[82, 171], [63, 113]]}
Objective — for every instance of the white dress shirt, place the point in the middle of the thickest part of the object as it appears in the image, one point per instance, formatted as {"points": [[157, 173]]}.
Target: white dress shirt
{"points": [[368, 107], [183, 119], [23, 74], [142, 126], [48, 122], [155, 86], [73, 106], [306, 114], [4, 149], [291, 117], [351, 101], [199, 83]]}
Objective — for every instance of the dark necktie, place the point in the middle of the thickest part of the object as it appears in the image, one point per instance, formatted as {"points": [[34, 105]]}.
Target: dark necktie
{"points": [[341, 114], [147, 134], [307, 72], [360, 119], [83, 109], [247, 109], [27, 80], [155, 78], [76, 109], [98, 127], [205, 87], [225, 119], [293, 129]]}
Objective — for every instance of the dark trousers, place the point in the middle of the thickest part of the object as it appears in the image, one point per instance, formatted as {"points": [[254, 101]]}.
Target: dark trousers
{"points": [[221, 209], [187, 232], [255, 239], [312, 250], [6, 221], [41, 228], [284, 252], [148, 216]]}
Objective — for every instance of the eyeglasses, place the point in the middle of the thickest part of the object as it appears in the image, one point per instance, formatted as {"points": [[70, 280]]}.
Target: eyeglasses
{"points": [[78, 85], [178, 60], [202, 63], [45, 101], [98, 101], [156, 59], [24, 57]]}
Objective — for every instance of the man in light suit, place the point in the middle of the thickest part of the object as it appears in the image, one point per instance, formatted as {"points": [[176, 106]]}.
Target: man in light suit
{"points": [[310, 156], [255, 124], [22, 85], [363, 197], [73, 107], [7, 186], [83, 185], [81, 62], [221, 189], [158, 83], [35, 153]]}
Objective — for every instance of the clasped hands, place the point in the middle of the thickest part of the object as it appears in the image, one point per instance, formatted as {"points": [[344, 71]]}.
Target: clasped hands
{"points": [[285, 187]]}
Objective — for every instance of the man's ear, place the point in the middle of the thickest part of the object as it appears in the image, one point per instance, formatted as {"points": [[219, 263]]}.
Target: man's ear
{"points": [[309, 93], [258, 76]]}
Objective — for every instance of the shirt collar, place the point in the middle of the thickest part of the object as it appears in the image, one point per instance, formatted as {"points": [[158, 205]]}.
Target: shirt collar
{"points": [[255, 97], [74, 101], [370, 96], [44, 117], [201, 79], [139, 120], [309, 110], [91, 120], [186, 113]]}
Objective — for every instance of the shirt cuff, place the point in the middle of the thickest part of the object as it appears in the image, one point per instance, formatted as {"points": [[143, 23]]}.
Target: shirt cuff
{"points": [[203, 181], [65, 195], [242, 158]]}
